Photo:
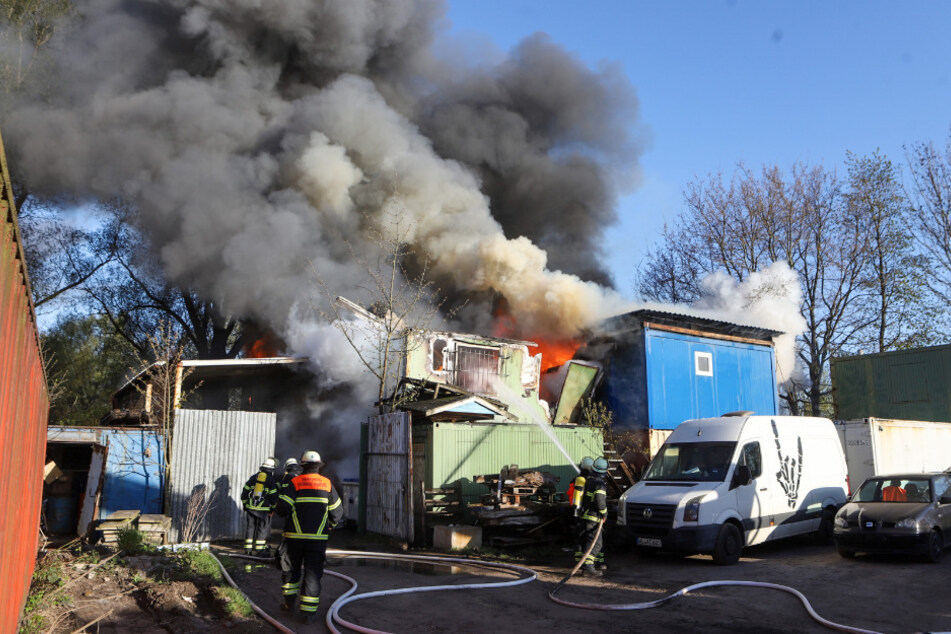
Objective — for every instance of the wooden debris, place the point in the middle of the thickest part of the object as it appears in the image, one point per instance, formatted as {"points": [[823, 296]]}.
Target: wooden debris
{"points": [[117, 521]]}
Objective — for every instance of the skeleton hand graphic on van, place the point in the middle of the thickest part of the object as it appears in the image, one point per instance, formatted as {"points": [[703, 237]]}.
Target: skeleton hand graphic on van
{"points": [[790, 469]]}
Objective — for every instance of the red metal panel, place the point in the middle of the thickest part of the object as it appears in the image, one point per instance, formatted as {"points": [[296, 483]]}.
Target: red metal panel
{"points": [[24, 407]]}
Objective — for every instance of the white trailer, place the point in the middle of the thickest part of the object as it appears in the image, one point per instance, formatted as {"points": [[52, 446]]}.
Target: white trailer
{"points": [[878, 446]]}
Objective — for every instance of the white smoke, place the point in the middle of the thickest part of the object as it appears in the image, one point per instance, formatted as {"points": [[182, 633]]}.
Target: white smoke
{"points": [[769, 298]]}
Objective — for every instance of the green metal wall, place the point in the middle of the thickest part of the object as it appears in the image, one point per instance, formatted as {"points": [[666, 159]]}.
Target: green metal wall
{"points": [[460, 451], [905, 385]]}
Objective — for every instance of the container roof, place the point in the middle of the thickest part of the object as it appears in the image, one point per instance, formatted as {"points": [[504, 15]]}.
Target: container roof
{"points": [[209, 368], [695, 322]]}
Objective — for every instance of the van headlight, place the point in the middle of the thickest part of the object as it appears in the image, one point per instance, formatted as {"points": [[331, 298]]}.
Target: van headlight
{"points": [[907, 523], [692, 510], [841, 522]]}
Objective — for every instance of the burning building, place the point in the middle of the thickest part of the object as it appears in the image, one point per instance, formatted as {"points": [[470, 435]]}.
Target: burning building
{"points": [[664, 368]]}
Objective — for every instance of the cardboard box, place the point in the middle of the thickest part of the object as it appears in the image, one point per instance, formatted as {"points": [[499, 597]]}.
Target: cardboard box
{"points": [[51, 472]]}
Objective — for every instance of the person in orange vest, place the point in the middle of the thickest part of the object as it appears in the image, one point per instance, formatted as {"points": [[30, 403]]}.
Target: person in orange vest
{"points": [[258, 497], [893, 492], [312, 508]]}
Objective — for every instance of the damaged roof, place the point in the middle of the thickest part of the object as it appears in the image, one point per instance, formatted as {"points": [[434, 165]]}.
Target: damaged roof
{"points": [[706, 324]]}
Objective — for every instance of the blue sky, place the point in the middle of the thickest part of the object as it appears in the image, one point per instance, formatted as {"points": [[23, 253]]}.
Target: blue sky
{"points": [[722, 82]]}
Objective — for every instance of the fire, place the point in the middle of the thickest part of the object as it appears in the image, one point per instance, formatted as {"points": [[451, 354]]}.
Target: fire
{"points": [[262, 347], [555, 352]]}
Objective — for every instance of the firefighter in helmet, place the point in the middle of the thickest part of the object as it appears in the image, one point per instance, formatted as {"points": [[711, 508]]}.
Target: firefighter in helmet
{"points": [[259, 497], [311, 508], [575, 496], [594, 510]]}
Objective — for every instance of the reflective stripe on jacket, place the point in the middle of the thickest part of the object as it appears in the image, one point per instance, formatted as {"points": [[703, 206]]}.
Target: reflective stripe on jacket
{"points": [[311, 505], [594, 504]]}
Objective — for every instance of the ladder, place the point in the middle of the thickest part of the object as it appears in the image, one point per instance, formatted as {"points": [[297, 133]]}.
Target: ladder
{"points": [[619, 475]]}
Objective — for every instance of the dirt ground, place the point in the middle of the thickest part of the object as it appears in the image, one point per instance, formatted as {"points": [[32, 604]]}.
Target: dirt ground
{"points": [[887, 594]]}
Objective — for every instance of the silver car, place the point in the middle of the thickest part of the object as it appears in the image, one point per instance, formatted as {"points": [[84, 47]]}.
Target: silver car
{"points": [[901, 513]]}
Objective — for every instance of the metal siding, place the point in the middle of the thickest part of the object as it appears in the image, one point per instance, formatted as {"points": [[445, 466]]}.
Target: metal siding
{"points": [[389, 476], [134, 470], [217, 451], [459, 451], [743, 378], [905, 385], [24, 407]]}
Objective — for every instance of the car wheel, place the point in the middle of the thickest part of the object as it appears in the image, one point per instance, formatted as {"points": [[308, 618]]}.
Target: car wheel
{"points": [[824, 534], [729, 545], [935, 547], [847, 554]]}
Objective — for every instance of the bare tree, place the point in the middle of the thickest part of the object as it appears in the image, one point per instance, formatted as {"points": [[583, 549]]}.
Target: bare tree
{"points": [[162, 389], [402, 302], [27, 26], [755, 219]]}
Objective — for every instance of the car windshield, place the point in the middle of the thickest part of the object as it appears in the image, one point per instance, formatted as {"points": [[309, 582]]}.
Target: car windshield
{"points": [[695, 462], [894, 490]]}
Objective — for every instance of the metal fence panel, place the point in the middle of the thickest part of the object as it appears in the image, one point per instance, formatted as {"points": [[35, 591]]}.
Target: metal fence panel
{"points": [[213, 454], [389, 507], [24, 408]]}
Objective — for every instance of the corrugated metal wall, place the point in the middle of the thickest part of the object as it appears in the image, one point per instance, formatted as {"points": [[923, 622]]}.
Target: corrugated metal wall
{"points": [[213, 454], [389, 504], [459, 451], [742, 377], [904, 384], [24, 408]]}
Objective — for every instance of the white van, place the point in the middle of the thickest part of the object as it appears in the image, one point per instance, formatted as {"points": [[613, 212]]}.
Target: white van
{"points": [[720, 484]]}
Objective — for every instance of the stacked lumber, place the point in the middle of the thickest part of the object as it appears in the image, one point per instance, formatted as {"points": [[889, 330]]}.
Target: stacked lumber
{"points": [[155, 527], [116, 522]]}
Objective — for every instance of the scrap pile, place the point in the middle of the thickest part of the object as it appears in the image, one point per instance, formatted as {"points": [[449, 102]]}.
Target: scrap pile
{"points": [[521, 504]]}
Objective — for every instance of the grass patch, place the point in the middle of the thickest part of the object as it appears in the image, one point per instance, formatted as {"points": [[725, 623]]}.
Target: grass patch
{"points": [[234, 602], [48, 577], [197, 564]]}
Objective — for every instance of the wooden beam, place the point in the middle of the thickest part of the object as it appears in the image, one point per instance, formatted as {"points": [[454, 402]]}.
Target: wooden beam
{"points": [[708, 335]]}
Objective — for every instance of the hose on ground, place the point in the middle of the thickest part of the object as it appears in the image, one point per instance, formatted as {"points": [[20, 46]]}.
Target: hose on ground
{"points": [[333, 617]]}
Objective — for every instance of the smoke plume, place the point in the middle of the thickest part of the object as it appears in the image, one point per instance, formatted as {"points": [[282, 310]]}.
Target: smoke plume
{"points": [[257, 141]]}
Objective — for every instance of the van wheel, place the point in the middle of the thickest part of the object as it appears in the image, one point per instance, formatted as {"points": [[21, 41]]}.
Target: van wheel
{"points": [[935, 547], [729, 545]]}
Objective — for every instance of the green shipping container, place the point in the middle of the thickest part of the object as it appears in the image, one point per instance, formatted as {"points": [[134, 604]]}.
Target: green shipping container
{"points": [[447, 453], [904, 385]]}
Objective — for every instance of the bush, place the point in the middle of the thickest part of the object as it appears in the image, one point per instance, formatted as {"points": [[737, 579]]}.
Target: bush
{"points": [[131, 541], [197, 563]]}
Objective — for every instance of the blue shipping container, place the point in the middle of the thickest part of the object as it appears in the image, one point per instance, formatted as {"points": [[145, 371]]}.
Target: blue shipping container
{"points": [[662, 369]]}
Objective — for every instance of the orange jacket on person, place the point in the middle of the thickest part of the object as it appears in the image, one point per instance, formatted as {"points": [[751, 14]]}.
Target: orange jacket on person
{"points": [[894, 494]]}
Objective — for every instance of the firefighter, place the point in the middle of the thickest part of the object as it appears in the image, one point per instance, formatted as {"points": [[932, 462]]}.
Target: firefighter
{"points": [[575, 496], [594, 510], [292, 469], [311, 508], [259, 497]]}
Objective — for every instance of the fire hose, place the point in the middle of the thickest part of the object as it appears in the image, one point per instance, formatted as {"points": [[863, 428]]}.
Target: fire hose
{"points": [[333, 614]]}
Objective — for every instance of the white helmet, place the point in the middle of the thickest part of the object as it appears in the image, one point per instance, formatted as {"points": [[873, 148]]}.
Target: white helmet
{"points": [[310, 457], [270, 463], [289, 462]]}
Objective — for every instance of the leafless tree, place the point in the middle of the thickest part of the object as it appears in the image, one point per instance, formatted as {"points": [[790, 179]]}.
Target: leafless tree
{"points": [[403, 302]]}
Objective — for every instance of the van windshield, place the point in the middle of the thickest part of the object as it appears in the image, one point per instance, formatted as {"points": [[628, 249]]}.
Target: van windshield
{"points": [[694, 461]]}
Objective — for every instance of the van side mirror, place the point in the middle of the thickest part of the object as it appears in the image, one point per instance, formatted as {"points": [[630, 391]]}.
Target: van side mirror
{"points": [[945, 499], [741, 476]]}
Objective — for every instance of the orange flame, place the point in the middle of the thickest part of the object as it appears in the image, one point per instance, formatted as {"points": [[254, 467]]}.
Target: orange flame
{"points": [[262, 348], [554, 352]]}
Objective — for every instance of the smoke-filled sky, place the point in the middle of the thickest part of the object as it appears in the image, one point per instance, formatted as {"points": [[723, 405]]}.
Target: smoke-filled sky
{"points": [[724, 81], [261, 141]]}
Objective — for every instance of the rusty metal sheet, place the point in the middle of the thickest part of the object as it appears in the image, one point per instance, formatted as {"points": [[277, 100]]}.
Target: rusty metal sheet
{"points": [[389, 476], [24, 407]]}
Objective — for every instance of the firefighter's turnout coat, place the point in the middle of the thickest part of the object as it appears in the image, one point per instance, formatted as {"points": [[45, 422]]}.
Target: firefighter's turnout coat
{"points": [[312, 507], [260, 493]]}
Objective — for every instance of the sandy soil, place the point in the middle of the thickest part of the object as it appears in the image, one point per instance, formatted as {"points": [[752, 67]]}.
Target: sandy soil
{"points": [[888, 594]]}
